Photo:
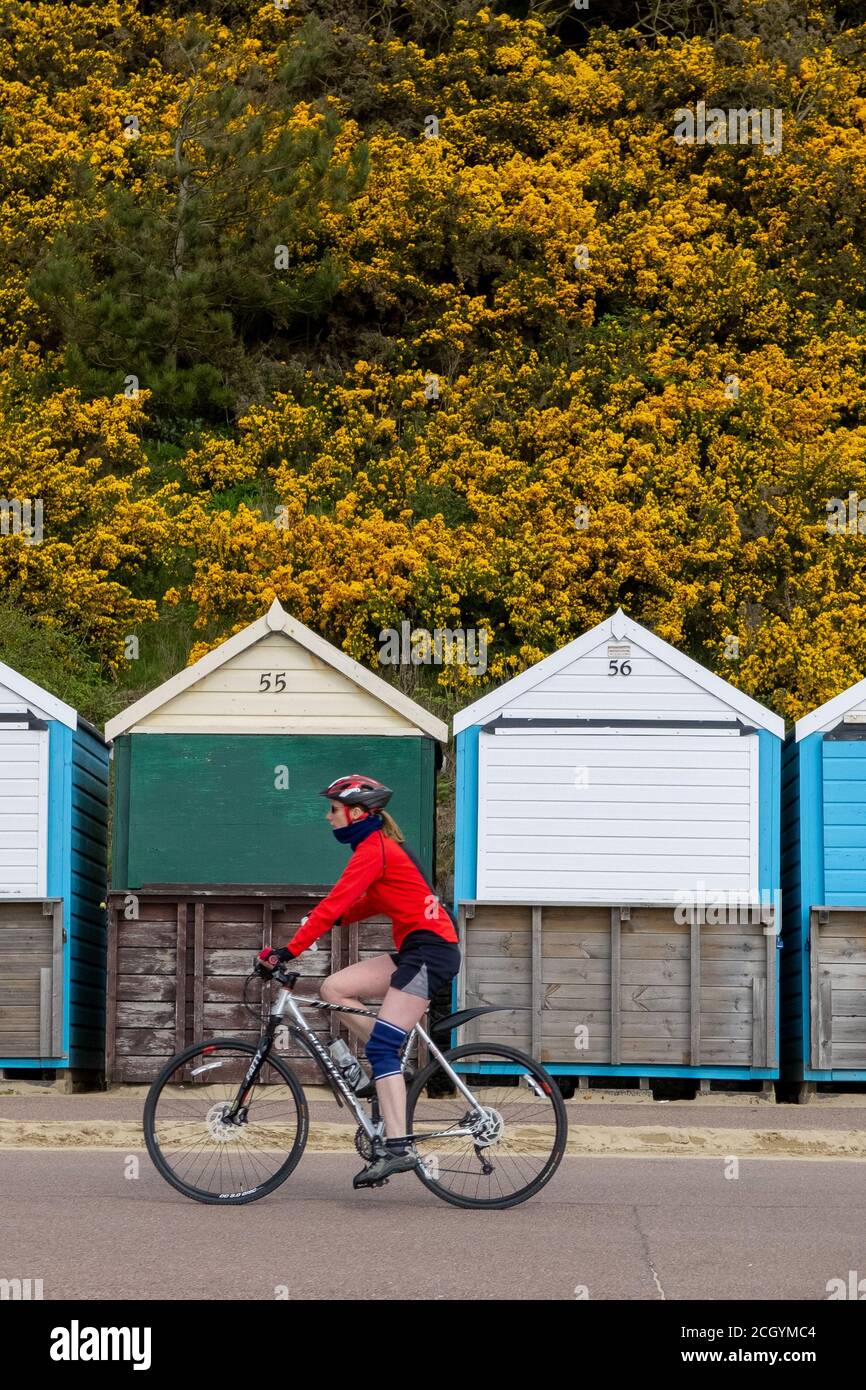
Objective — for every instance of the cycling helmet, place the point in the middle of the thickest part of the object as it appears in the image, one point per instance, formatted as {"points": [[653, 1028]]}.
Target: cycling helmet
{"points": [[358, 790]]}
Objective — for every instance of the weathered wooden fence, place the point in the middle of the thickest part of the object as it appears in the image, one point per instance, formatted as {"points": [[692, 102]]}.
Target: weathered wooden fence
{"points": [[31, 978], [176, 969], [837, 996], [627, 986]]}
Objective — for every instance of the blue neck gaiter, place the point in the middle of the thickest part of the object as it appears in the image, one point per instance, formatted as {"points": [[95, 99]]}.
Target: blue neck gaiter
{"points": [[356, 831]]}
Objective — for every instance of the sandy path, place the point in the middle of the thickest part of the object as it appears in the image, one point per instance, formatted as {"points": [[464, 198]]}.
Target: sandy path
{"points": [[632, 1140]]}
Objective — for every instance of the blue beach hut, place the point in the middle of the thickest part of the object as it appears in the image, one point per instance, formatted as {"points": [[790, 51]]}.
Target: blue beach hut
{"points": [[617, 863], [53, 835], [824, 892]]}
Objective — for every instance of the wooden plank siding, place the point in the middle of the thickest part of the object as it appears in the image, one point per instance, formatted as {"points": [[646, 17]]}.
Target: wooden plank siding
{"points": [[653, 686], [823, 978], [838, 987], [23, 812], [844, 821], [31, 978], [837, 924], [177, 972], [793, 982], [600, 815], [311, 697], [86, 924], [627, 986]]}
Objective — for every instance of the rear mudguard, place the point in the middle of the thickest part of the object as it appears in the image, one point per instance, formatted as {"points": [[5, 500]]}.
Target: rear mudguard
{"points": [[444, 1025]]}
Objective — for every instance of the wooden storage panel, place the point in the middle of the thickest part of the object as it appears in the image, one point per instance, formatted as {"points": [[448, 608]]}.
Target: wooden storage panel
{"points": [[574, 946], [622, 986], [837, 957], [31, 978], [496, 969], [176, 972]]}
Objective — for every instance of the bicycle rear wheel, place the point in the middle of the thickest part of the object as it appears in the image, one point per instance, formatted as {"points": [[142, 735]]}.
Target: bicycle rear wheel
{"points": [[192, 1146], [518, 1127]]}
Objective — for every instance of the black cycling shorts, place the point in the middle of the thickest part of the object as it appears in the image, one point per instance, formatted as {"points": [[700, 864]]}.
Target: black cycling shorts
{"points": [[425, 962]]}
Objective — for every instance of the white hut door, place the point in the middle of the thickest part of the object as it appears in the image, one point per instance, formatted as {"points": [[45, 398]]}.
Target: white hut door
{"points": [[643, 815], [23, 812]]}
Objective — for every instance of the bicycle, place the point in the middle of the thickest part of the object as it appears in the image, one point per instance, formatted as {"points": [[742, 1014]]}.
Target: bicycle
{"points": [[489, 1128]]}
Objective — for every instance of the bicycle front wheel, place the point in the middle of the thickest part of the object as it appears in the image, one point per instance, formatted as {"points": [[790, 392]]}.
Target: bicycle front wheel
{"points": [[207, 1158], [499, 1150]]}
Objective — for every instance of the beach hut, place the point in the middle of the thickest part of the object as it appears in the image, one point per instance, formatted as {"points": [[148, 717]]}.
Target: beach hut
{"points": [[220, 842], [617, 862], [53, 835], [824, 893]]}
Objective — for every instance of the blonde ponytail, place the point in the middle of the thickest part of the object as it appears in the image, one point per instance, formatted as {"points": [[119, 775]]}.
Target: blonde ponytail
{"points": [[390, 827]]}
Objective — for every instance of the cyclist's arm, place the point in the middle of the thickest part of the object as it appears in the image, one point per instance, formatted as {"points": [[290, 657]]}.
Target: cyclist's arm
{"points": [[357, 912], [363, 869]]}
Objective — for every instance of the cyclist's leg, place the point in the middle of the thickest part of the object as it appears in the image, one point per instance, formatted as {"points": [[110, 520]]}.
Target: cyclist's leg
{"points": [[353, 986], [404, 1011], [425, 965]]}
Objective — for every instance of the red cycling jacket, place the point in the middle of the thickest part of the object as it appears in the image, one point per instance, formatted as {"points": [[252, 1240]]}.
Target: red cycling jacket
{"points": [[379, 879]]}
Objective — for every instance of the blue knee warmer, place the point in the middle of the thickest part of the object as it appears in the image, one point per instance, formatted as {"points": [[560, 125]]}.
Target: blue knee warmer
{"points": [[383, 1049]]}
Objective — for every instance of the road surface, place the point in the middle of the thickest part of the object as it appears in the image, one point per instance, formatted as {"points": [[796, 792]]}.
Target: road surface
{"points": [[604, 1228]]}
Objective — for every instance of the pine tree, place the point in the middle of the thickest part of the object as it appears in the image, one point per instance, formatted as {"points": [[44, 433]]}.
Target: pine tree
{"points": [[197, 285]]}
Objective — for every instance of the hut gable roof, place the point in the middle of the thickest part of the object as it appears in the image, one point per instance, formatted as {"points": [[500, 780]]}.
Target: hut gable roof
{"points": [[828, 715], [574, 681], [234, 688], [16, 690]]}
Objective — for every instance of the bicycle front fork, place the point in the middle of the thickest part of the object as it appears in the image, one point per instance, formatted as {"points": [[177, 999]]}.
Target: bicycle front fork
{"points": [[237, 1112]]}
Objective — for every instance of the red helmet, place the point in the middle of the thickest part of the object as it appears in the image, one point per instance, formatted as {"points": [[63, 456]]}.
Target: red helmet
{"points": [[358, 790]]}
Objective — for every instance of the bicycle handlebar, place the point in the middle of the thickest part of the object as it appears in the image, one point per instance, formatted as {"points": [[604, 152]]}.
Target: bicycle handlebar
{"points": [[288, 978]]}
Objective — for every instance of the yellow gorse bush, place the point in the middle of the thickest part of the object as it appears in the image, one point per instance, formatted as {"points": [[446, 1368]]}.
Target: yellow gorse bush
{"points": [[568, 363]]}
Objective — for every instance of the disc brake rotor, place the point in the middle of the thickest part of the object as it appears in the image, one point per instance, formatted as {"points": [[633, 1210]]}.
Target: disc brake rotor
{"points": [[217, 1129], [487, 1126]]}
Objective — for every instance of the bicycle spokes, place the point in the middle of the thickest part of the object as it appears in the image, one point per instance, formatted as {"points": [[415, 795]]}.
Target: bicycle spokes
{"points": [[497, 1149], [212, 1147]]}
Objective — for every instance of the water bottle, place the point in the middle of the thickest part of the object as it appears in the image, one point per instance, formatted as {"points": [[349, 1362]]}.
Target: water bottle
{"points": [[348, 1065]]}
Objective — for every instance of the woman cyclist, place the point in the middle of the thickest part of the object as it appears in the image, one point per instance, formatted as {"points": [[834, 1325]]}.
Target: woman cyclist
{"points": [[381, 877]]}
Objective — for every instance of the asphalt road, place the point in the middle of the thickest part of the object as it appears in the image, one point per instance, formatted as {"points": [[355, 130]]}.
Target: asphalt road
{"points": [[619, 1228]]}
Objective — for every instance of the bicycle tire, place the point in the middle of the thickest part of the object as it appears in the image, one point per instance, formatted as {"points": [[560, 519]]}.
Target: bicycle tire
{"points": [[510, 1054], [231, 1199]]}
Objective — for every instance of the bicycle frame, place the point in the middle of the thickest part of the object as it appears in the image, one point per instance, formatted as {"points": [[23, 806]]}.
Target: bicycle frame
{"points": [[285, 1003]]}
